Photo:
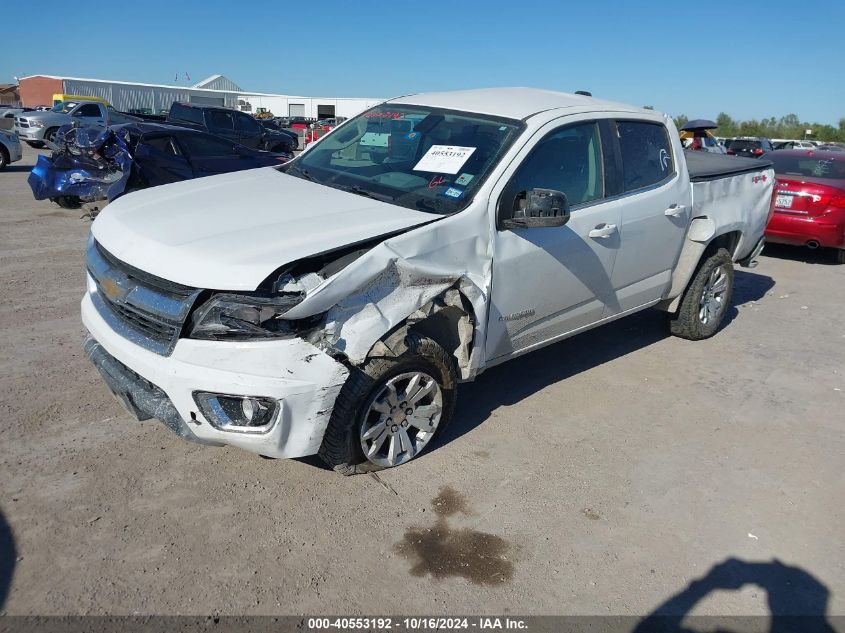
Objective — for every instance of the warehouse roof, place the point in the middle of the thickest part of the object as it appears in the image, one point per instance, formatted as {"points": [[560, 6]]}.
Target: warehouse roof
{"points": [[127, 83], [514, 103]]}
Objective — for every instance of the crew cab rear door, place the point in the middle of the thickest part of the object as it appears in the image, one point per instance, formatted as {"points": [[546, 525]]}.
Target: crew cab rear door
{"points": [[656, 204], [161, 160], [209, 155], [222, 123], [249, 130], [549, 281]]}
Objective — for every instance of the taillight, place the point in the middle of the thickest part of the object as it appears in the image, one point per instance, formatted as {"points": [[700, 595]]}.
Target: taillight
{"points": [[837, 201], [757, 152], [731, 152]]}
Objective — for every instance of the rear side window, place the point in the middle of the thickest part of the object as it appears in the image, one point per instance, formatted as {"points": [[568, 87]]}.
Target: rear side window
{"points": [[184, 113], [88, 110], [646, 154], [201, 145], [247, 124], [220, 120], [163, 144]]}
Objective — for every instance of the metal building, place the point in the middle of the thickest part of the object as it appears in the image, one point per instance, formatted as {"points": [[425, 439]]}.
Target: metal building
{"points": [[217, 90], [125, 95]]}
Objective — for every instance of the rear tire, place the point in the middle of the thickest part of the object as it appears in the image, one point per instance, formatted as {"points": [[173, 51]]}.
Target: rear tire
{"points": [[840, 256], [361, 414], [35, 144], [706, 299]]}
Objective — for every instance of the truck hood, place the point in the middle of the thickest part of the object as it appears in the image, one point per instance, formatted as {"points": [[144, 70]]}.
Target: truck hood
{"points": [[46, 116], [230, 232]]}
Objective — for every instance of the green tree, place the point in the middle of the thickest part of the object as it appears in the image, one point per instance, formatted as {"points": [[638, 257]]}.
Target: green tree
{"points": [[727, 126], [681, 120]]}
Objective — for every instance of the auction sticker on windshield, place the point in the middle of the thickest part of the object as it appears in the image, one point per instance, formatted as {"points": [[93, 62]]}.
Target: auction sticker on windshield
{"points": [[444, 159]]}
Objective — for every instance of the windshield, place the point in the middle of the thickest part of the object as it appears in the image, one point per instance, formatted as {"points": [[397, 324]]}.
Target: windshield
{"points": [[417, 157], [63, 106]]}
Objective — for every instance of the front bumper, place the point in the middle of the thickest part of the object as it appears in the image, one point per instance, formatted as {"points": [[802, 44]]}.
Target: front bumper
{"points": [[30, 133], [302, 377]]}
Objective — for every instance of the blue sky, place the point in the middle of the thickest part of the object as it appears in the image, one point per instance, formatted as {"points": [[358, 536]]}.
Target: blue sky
{"points": [[750, 59]]}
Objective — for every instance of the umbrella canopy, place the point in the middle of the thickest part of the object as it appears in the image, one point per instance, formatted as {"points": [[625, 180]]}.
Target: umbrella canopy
{"points": [[700, 124]]}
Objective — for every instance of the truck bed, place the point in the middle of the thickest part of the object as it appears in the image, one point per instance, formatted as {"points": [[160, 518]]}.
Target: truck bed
{"points": [[704, 166]]}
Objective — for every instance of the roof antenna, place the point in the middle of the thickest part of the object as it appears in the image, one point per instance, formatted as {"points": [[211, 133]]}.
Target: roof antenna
{"points": [[584, 93]]}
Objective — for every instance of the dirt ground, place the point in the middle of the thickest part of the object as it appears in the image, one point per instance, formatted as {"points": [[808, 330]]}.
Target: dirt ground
{"points": [[601, 475]]}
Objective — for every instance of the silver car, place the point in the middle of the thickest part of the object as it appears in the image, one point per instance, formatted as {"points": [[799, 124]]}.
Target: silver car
{"points": [[10, 148]]}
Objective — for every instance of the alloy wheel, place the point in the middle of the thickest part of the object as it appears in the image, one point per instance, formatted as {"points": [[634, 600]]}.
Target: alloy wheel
{"points": [[401, 418], [712, 300]]}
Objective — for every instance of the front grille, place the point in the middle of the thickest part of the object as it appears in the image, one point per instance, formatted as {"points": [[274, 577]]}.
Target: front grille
{"points": [[158, 331], [22, 122], [146, 310]]}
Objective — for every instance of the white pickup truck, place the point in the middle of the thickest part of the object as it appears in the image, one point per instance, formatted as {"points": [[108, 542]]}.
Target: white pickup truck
{"points": [[333, 304]]}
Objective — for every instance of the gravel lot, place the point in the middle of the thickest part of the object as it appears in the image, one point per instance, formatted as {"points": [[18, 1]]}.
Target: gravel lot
{"points": [[598, 476]]}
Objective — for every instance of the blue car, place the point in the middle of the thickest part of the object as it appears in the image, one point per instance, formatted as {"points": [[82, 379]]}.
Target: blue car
{"points": [[92, 164]]}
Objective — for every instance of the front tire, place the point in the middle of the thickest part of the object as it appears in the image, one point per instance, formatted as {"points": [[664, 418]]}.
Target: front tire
{"points": [[4, 158], [68, 202], [388, 412], [50, 135], [840, 256], [706, 299]]}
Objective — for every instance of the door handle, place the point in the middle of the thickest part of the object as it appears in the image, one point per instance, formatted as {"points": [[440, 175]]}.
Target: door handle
{"points": [[603, 231], [675, 210]]}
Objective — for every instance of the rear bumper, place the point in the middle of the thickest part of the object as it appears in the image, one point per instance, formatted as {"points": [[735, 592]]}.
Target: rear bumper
{"points": [[750, 260], [827, 229]]}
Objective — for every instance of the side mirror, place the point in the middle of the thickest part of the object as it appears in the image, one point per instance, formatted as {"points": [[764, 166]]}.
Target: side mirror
{"points": [[539, 208]]}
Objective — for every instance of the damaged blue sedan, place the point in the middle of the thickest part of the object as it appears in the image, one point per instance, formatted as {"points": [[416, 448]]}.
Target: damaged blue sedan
{"points": [[90, 165]]}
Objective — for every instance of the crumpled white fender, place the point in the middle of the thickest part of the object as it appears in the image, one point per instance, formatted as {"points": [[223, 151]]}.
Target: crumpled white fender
{"points": [[382, 288]]}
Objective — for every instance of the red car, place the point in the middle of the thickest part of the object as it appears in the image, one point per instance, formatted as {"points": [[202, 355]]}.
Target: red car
{"points": [[809, 199]]}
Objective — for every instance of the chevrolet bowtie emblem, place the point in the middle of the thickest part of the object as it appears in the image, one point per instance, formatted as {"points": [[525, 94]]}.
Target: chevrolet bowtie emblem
{"points": [[112, 290]]}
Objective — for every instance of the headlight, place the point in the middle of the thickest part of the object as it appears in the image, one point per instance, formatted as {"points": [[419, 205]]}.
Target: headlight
{"points": [[229, 316], [36, 123]]}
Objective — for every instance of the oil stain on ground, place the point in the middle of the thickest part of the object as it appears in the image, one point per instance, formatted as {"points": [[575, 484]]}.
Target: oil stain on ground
{"points": [[443, 552]]}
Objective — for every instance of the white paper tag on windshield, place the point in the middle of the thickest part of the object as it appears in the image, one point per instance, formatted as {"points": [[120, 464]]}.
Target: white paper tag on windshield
{"points": [[444, 159]]}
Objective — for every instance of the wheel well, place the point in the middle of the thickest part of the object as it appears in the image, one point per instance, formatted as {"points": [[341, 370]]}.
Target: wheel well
{"points": [[728, 241], [448, 320]]}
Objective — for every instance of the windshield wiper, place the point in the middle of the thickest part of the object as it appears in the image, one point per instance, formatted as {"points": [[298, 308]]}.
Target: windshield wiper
{"points": [[303, 173], [367, 194]]}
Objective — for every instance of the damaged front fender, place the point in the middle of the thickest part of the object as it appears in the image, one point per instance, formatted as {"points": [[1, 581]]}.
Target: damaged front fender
{"points": [[407, 278]]}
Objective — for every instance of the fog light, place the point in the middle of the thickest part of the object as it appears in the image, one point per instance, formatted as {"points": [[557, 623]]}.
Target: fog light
{"points": [[243, 414]]}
